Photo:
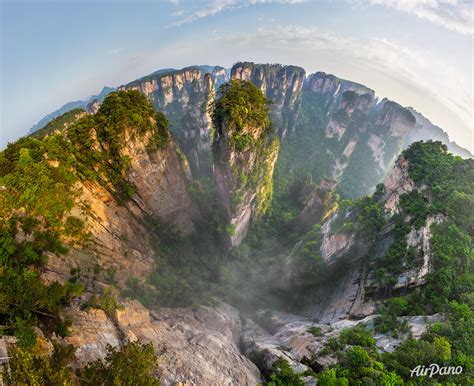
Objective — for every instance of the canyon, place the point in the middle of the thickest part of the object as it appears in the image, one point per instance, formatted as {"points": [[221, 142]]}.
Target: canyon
{"points": [[174, 196]]}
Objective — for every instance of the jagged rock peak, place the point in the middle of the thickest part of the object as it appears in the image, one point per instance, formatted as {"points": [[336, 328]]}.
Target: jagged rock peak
{"points": [[281, 84]]}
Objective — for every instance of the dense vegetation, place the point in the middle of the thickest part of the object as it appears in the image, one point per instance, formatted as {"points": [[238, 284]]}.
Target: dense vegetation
{"points": [[60, 123], [444, 191], [240, 111], [39, 181], [242, 126], [132, 364]]}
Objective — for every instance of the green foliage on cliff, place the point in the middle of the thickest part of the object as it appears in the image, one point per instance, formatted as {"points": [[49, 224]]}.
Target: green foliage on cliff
{"points": [[239, 109], [445, 187], [132, 364], [242, 126], [60, 123], [97, 141], [39, 180], [28, 368], [283, 375], [38, 191]]}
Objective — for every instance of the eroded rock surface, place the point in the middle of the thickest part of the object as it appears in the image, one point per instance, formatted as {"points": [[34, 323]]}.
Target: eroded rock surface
{"points": [[194, 346]]}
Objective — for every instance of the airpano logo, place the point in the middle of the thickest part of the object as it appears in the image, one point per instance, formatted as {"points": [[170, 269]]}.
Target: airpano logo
{"points": [[435, 369]]}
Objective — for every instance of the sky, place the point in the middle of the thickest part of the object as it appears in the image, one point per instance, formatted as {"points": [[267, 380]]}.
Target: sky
{"points": [[418, 53]]}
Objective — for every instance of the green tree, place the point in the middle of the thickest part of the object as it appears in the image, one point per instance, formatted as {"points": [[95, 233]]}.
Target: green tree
{"points": [[133, 364]]}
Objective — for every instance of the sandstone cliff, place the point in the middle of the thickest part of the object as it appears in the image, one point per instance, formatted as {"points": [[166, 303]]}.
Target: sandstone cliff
{"points": [[195, 346], [244, 157], [344, 117], [281, 84], [184, 96], [155, 178]]}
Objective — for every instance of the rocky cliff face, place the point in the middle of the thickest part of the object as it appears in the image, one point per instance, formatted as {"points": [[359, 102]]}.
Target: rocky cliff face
{"points": [[184, 96], [280, 84], [357, 130], [158, 178], [195, 347], [244, 181], [320, 204], [330, 89], [351, 261]]}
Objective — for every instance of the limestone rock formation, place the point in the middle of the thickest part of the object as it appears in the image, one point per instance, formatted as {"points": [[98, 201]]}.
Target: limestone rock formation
{"points": [[184, 97], [280, 84], [194, 346]]}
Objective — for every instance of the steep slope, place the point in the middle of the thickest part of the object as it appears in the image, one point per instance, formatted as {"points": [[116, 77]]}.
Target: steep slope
{"points": [[82, 104], [184, 96], [244, 154], [386, 239], [343, 132], [336, 124], [387, 278], [280, 84], [74, 202]]}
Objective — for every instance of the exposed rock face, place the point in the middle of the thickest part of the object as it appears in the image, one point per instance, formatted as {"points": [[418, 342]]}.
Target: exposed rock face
{"points": [[397, 183], [90, 333], [160, 178], [93, 106], [398, 119], [244, 154], [114, 245], [330, 89], [420, 240], [288, 337], [352, 107], [194, 347], [184, 97], [280, 84], [358, 131], [361, 137], [335, 244], [242, 202], [320, 204]]}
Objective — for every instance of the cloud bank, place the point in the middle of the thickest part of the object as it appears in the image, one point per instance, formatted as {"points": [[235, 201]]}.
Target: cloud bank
{"points": [[218, 6], [455, 15]]}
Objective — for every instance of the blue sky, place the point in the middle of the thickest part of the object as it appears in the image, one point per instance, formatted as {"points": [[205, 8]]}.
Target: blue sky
{"points": [[416, 52]]}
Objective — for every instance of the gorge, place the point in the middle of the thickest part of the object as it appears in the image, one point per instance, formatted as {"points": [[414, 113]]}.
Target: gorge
{"points": [[254, 224]]}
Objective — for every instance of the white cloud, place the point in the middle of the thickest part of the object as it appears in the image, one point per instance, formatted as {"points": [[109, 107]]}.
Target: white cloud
{"points": [[218, 6], [455, 15]]}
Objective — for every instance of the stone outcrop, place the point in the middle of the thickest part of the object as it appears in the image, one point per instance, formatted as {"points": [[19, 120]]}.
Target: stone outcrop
{"points": [[184, 97], [420, 240], [397, 183], [194, 346], [288, 336], [330, 89], [281, 84], [241, 202], [160, 178]]}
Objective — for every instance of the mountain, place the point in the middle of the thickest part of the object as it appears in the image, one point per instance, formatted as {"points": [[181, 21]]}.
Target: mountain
{"points": [[248, 240], [342, 123], [82, 104]]}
